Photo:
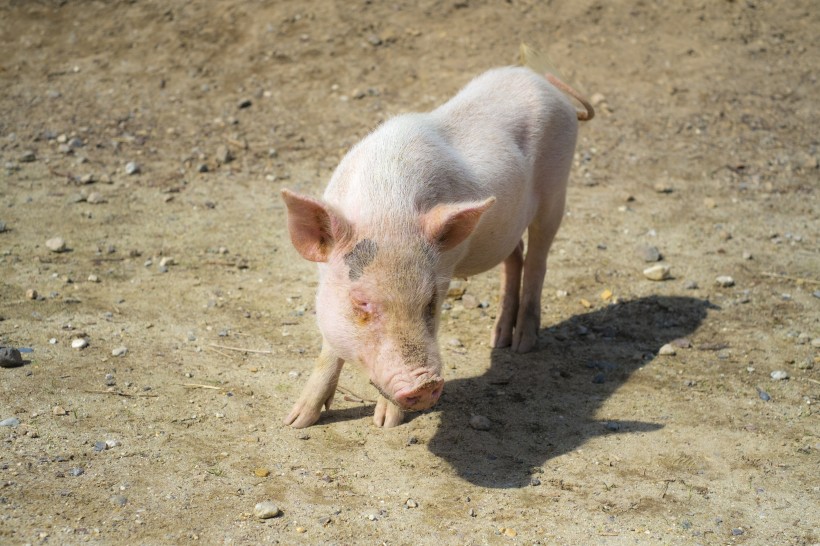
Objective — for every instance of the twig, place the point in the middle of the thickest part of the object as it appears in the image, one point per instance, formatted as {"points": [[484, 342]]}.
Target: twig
{"points": [[798, 280], [241, 350], [813, 380], [352, 396], [226, 355], [120, 393], [200, 386]]}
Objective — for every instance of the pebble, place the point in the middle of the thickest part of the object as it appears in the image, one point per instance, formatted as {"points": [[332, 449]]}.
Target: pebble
{"points": [[132, 168], [456, 289], [663, 187], [763, 395], [535, 482], [691, 285], [411, 503], [469, 301], [613, 426], [245, 103], [100, 446], [2, 227], [93, 278], [479, 422], [779, 375], [725, 281], [79, 343], [747, 255], [657, 272], [111, 443], [10, 357], [10, 422], [76, 471], [95, 198], [223, 155], [806, 364], [650, 253], [28, 156], [266, 510], [58, 410], [120, 351], [119, 500], [815, 342], [667, 350], [455, 342], [56, 244], [32, 294], [261, 472], [816, 293]]}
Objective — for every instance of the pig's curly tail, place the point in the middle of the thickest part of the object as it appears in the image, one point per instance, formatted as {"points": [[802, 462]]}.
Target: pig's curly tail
{"points": [[582, 116]]}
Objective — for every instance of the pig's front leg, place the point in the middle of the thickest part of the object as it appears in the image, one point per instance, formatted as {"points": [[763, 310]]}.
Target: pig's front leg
{"points": [[510, 290], [318, 392], [387, 413]]}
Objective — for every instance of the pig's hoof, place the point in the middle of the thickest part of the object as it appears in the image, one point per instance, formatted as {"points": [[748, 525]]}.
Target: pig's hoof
{"points": [[301, 417], [387, 413], [525, 343]]}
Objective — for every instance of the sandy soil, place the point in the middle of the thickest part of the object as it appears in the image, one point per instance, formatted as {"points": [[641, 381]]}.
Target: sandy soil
{"points": [[705, 146]]}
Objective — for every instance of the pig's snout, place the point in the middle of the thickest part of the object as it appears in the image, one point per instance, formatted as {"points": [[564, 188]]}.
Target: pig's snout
{"points": [[421, 396]]}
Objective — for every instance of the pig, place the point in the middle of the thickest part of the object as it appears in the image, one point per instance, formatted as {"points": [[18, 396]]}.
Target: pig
{"points": [[423, 198]]}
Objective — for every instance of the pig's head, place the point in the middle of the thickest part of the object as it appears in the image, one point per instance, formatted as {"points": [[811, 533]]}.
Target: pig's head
{"points": [[381, 289]]}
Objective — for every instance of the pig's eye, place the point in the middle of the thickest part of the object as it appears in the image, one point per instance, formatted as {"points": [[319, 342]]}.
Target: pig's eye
{"points": [[430, 313], [363, 310]]}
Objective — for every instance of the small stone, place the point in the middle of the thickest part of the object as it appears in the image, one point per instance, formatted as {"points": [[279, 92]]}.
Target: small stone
{"points": [[681, 343], [815, 342], [469, 301], [303, 436], [724, 281], [374, 40], [510, 532], [649, 253], [223, 155], [456, 289], [244, 103], [261, 472], [667, 350], [658, 272], [32, 294], [535, 482], [202, 168], [585, 303], [93, 278], [471, 512], [100, 446], [266, 510], [58, 411], [737, 532], [10, 422], [53, 341], [691, 285], [747, 255], [606, 295], [301, 530], [779, 375], [613, 426], [763, 395], [122, 350], [111, 444], [709, 203], [10, 357], [561, 294], [2, 227], [80, 343], [166, 261], [479, 422], [663, 187], [411, 503], [28, 156], [132, 168], [119, 500], [76, 471], [95, 198], [455, 342], [56, 244], [805, 364]]}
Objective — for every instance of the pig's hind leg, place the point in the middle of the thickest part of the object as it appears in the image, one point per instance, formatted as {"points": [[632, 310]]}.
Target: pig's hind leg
{"points": [[318, 392], [510, 292], [387, 413], [540, 235]]}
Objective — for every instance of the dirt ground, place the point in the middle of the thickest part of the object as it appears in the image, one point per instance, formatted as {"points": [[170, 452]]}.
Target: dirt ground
{"points": [[705, 145]]}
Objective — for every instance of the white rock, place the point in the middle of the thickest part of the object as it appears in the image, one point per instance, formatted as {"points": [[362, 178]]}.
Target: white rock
{"points": [[56, 244], [93, 278], [667, 350], [166, 261], [725, 281], [120, 351], [658, 272], [266, 510], [79, 343], [779, 375], [132, 168]]}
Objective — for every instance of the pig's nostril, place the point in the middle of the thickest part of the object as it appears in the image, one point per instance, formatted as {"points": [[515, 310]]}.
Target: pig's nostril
{"points": [[411, 400]]}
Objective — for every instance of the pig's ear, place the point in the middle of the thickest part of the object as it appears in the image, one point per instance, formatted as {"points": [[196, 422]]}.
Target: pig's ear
{"points": [[314, 227], [447, 225]]}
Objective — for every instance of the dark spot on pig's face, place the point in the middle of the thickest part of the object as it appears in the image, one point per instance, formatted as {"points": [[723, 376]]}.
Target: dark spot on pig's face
{"points": [[430, 313], [360, 257]]}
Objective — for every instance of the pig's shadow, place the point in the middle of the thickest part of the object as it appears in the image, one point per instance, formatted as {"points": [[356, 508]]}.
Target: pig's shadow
{"points": [[543, 404]]}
